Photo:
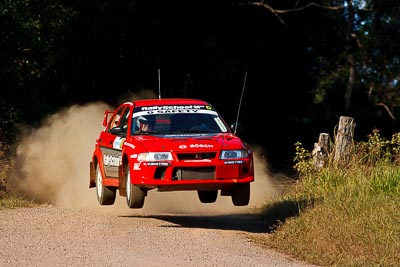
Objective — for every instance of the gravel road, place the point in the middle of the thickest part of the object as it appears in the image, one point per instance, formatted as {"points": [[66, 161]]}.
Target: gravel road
{"points": [[52, 236], [173, 229]]}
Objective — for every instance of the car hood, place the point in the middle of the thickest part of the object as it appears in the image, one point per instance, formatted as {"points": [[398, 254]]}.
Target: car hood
{"points": [[204, 142]]}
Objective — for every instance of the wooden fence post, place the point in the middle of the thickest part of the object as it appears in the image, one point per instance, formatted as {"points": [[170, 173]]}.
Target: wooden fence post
{"points": [[321, 151], [344, 139]]}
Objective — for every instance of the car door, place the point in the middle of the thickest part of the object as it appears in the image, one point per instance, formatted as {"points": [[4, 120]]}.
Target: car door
{"points": [[110, 143]]}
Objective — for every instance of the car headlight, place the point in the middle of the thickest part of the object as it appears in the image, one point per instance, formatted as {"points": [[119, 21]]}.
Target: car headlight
{"points": [[154, 156], [234, 154]]}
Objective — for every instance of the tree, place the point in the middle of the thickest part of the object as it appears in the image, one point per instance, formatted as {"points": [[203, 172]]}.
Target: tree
{"points": [[31, 49], [353, 53]]}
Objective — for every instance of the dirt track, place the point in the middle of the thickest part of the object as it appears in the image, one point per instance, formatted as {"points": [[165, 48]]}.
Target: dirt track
{"points": [[53, 236], [173, 229]]}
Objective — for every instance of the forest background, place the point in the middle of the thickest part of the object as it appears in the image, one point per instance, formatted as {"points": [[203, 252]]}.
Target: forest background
{"points": [[299, 65]]}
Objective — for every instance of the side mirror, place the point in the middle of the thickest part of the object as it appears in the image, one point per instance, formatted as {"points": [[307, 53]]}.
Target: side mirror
{"points": [[236, 128], [117, 131]]}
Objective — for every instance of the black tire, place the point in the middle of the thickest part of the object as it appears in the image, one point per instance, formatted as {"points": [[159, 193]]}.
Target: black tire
{"points": [[134, 194], [241, 194], [105, 194], [207, 196]]}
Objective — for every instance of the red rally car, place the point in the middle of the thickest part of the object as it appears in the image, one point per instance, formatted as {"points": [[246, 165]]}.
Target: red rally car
{"points": [[169, 145]]}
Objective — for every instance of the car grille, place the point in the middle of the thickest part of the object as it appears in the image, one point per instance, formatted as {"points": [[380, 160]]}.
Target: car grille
{"points": [[199, 156], [200, 173]]}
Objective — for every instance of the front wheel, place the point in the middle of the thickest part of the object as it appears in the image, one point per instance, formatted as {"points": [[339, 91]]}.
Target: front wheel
{"points": [[105, 195], [134, 194], [241, 194]]}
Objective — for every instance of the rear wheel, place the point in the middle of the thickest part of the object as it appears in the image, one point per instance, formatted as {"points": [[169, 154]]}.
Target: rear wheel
{"points": [[105, 195], [241, 194], [134, 194], [207, 196]]}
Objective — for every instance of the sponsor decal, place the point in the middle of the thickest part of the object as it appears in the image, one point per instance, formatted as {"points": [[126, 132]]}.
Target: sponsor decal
{"points": [[118, 142], [133, 156], [230, 162], [201, 146], [187, 135], [173, 111], [136, 166], [176, 107], [158, 164], [182, 146], [130, 145], [112, 160]]}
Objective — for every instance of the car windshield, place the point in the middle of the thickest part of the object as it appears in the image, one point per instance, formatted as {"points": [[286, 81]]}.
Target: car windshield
{"points": [[207, 121]]}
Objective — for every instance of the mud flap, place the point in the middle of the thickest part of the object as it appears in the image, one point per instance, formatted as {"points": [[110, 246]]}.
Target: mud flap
{"points": [[92, 178], [122, 182]]}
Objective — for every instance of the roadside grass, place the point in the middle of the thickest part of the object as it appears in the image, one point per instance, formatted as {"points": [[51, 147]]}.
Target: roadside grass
{"points": [[344, 214], [8, 200]]}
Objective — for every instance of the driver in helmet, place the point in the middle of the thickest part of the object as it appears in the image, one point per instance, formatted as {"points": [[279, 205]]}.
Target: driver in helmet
{"points": [[146, 124]]}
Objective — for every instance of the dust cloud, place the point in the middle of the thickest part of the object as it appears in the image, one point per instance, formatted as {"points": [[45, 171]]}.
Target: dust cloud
{"points": [[53, 160], [53, 167]]}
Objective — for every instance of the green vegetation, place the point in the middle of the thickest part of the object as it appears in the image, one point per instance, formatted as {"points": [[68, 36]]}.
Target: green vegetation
{"points": [[7, 200], [344, 214], [10, 202]]}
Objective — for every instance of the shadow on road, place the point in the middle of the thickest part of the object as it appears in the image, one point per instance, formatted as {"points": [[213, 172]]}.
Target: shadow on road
{"points": [[241, 222]]}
